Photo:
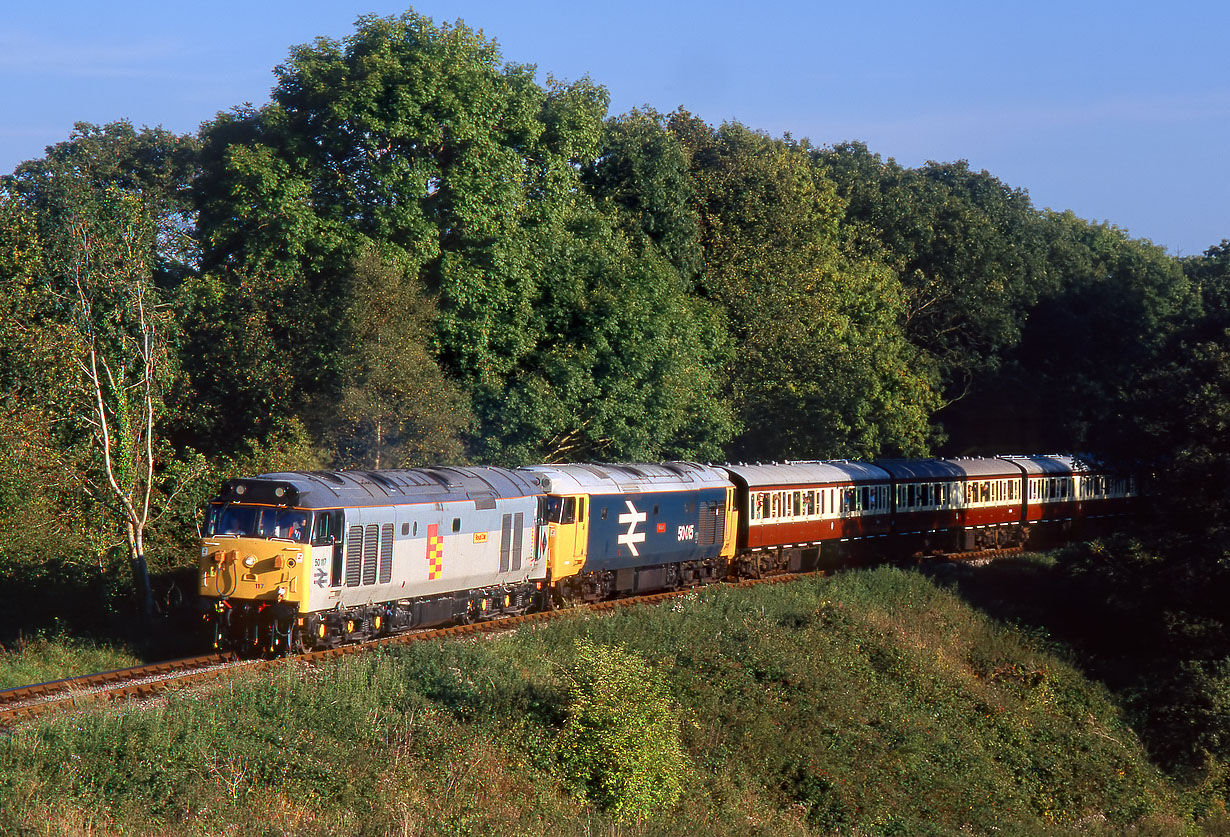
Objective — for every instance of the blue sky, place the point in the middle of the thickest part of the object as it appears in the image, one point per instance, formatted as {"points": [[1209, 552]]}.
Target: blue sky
{"points": [[1119, 111]]}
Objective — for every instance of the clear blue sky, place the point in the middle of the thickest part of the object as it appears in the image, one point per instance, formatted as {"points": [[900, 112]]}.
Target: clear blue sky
{"points": [[1119, 111]]}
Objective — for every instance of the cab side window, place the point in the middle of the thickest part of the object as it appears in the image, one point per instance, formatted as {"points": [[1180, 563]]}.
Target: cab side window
{"points": [[327, 528]]}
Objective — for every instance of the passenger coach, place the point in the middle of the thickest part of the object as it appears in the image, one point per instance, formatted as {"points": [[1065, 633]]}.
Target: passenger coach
{"points": [[789, 513]]}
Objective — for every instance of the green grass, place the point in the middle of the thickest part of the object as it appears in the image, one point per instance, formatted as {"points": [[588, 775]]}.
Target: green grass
{"points": [[43, 660], [871, 703]]}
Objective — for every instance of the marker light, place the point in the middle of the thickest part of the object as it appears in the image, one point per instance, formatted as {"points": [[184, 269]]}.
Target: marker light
{"points": [[250, 561]]}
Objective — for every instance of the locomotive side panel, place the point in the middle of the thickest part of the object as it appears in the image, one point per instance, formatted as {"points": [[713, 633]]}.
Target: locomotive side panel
{"points": [[398, 552], [637, 529]]}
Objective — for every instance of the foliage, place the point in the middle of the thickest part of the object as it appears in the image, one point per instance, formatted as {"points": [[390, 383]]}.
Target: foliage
{"points": [[1169, 584], [868, 703], [644, 170], [965, 246], [1210, 274], [91, 391], [620, 742], [1117, 305], [410, 140], [629, 366], [151, 165], [396, 408], [821, 367]]}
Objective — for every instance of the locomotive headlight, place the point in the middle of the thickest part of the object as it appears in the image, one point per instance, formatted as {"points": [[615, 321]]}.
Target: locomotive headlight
{"points": [[250, 561], [281, 593]]}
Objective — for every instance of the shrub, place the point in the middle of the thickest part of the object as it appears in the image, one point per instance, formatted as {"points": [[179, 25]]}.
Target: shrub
{"points": [[620, 744]]}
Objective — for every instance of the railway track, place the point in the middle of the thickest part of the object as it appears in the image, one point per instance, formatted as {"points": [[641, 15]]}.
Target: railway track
{"points": [[142, 682]]}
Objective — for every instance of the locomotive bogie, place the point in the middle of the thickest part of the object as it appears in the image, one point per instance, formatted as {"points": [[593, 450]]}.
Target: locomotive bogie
{"points": [[631, 581]]}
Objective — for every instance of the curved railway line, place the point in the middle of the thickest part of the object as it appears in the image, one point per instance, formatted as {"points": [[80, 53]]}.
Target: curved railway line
{"points": [[142, 682]]}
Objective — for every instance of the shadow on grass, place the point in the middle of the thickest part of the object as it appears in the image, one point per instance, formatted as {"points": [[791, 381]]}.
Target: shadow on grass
{"points": [[73, 600], [1109, 641]]}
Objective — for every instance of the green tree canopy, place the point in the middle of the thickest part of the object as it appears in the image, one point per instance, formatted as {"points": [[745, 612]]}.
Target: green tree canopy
{"points": [[821, 366], [412, 140], [967, 248], [396, 410]]}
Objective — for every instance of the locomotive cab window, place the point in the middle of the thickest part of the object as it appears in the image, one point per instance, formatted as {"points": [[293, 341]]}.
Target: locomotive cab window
{"points": [[561, 509], [258, 522], [328, 528]]}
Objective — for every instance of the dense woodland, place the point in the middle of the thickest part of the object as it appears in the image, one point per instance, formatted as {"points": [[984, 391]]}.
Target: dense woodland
{"points": [[416, 253]]}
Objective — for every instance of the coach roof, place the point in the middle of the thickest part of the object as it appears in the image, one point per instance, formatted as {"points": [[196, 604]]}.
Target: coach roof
{"points": [[764, 475]]}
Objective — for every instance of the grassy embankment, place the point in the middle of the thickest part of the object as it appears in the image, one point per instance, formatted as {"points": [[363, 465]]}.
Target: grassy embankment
{"points": [[874, 702], [41, 660]]}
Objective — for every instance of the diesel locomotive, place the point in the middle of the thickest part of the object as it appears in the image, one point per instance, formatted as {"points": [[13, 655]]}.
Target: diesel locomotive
{"points": [[306, 560]]}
